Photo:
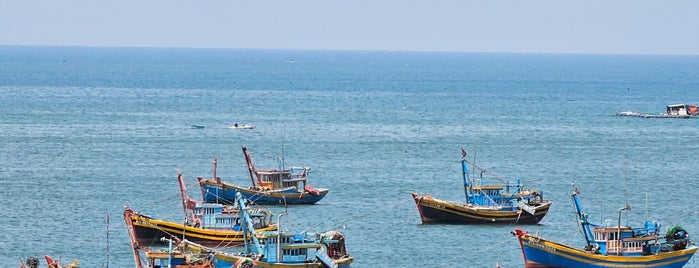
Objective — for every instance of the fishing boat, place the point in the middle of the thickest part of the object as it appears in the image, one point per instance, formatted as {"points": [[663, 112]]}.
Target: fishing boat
{"points": [[33, 262], [485, 203], [277, 249], [610, 246], [209, 224], [171, 257], [671, 111], [269, 186], [241, 126]]}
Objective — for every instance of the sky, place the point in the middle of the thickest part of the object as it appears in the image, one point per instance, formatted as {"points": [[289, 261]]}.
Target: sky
{"points": [[511, 26]]}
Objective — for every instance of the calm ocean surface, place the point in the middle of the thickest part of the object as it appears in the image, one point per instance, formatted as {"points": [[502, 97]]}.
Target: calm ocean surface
{"points": [[86, 131]]}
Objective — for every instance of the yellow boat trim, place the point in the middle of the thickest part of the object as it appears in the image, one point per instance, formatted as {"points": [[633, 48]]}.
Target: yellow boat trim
{"points": [[603, 260]]}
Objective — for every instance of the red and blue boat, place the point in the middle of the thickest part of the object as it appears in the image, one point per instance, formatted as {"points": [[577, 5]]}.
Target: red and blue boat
{"points": [[269, 186], [208, 224], [610, 246]]}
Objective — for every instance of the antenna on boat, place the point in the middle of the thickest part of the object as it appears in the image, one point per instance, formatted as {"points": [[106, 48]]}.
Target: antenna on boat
{"points": [[283, 164], [481, 170], [107, 265], [626, 188], [646, 205], [474, 166], [601, 190], [279, 233]]}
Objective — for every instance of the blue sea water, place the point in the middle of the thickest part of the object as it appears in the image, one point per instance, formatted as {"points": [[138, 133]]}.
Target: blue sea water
{"points": [[86, 131]]}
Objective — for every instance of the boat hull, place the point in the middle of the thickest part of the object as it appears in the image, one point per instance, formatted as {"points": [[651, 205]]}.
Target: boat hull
{"points": [[539, 252], [149, 231], [434, 210], [225, 193]]}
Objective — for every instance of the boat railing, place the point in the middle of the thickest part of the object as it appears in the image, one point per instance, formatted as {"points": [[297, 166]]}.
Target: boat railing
{"points": [[491, 201]]}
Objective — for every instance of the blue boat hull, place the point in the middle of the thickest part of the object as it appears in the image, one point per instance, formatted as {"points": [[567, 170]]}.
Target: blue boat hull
{"points": [[539, 252], [226, 194]]}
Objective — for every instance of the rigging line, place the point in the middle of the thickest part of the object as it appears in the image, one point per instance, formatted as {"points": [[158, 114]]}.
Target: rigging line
{"points": [[360, 216], [626, 195], [169, 196], [483, 170], [451, 262]]}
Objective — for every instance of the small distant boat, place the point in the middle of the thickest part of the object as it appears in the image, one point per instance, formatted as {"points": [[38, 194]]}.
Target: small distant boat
{"points": [[197, 126], [269, 187], [280, 249], [205, 223], [610, 246], [33, 262], [485, 204], [241, 126], [671, 111]]}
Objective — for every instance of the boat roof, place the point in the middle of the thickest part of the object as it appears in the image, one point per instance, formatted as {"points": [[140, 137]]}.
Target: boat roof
{"points": [[489, 187], [301, 245], [612, 229]]}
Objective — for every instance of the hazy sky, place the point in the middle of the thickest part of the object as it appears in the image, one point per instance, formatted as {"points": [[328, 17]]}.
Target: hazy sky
{"points": [[558, 26]]}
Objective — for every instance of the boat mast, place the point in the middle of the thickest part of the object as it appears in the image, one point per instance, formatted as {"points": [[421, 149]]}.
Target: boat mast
{"points": [[251, 166], [582, 219], [466, 177], [216, 178], [248, 228], [132, 236], [187, 203]]}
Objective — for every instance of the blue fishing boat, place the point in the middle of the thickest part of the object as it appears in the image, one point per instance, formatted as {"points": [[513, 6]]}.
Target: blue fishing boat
{"points": [[485, 203], [269, 186], [279, 249], [610, 246], [209, 224], [171, 257]]}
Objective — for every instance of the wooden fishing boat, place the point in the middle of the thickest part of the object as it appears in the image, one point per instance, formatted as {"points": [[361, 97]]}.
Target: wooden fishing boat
{"points": [[610, 246], [269, 186], [278, 249], [485, 204], [205, 223], [174, 257]]}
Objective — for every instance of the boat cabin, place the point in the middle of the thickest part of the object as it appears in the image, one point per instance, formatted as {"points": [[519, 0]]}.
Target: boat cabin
{"points": [[506, 197], [288, 247], [625, 241], [218, 216], [682, 110], [281, 179], [284, 247]]}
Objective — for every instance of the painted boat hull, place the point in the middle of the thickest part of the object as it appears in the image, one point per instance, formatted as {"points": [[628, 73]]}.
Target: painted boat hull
{"points": [[225, 193], [149, 231], [539, 252], [434, 210]]}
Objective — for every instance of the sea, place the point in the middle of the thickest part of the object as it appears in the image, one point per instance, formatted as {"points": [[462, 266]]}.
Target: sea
{"points": [[86, 131]]}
